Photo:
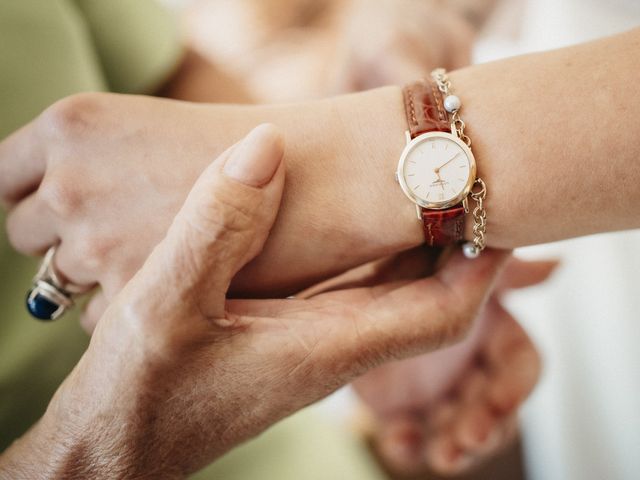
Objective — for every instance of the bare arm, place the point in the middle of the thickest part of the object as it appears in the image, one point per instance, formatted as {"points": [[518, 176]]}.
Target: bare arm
{"points": [[555, 135]]}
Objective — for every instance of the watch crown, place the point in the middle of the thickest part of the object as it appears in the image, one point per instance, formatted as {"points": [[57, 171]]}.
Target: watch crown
{"points": [[396, 177]]}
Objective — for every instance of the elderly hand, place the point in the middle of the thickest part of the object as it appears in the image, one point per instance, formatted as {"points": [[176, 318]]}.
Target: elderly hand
{"points": [[175, 374], [451, 410], [102, 175]]}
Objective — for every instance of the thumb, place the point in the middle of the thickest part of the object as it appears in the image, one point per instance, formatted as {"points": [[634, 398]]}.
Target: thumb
{"points": [[224, 222]]}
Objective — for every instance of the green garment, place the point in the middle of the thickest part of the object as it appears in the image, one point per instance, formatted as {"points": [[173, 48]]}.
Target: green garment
{"points": [[53, 48], [50, 49]]}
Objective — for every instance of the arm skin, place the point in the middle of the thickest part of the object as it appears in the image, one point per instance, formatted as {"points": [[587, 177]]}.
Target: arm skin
{"points": [[176, 375], [555, 135]]}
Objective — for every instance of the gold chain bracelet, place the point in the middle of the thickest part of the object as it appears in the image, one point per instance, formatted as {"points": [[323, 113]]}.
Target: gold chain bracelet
{"points": [[478, 194]]}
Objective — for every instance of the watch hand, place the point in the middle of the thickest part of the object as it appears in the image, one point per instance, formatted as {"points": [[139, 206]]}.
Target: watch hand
{"points": [[439, 181], [437, 170]]}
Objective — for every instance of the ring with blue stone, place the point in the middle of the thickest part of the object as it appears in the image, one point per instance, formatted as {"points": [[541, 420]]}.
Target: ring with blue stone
{"points": [[50, 296], [47, 302]]}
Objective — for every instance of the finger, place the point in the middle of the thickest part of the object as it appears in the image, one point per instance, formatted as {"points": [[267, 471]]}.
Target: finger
{"points": [[395, 320], [503, 433], [514, 382], [22, 165], [509, 431], [224, 221], [79, 257], [398, 319], [92, 312], [473, 385], [443, 413], [444, 456], [505, 337], [474, 427], [521, 274], [415, 263], [364, 327], [428, 313], [30, 226], [473, 436], [400, 444], [512, 359]]}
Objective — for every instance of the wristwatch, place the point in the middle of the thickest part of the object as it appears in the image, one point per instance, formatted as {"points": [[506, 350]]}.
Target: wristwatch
{"points": [[437, 169]]}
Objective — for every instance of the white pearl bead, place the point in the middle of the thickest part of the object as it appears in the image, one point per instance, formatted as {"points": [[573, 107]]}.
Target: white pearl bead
{"points": [[470, 250], [452, 103]]}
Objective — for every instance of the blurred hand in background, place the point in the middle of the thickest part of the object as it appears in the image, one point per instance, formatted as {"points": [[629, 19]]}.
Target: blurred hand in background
{"points": [[453, 409], [395, 42], [287, 50]]}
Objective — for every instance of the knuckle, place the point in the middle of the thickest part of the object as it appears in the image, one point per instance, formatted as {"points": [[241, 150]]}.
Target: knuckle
{"points": [[225, 217], [235, 212], [72, 114], [92, 251], [61, 195], [13, 229], [147, 315]]}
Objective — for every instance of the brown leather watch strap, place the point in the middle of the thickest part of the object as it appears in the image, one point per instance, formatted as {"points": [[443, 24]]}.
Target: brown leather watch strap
{"points": [[426, 113], [443, 227]]}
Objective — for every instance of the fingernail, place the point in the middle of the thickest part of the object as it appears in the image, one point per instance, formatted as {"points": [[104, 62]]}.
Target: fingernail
{"points": [[256, 158]]}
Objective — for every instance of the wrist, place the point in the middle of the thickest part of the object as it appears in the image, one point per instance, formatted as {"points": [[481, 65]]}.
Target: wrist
{"points": [[341, 206], [500, 155], [371, 131], [51, 449]]}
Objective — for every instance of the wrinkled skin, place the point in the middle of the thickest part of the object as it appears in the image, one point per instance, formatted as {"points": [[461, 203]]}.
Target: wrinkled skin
{"points": [[176, 374]]}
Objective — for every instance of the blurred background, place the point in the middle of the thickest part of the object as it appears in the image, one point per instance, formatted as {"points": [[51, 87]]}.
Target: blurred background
{"points": [[583, 420]]}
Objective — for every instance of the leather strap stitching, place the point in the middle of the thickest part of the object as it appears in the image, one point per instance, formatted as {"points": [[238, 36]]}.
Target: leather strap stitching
{"points": [[437, 97]]}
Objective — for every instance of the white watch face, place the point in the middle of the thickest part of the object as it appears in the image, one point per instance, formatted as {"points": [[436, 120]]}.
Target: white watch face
{"points": [[436, 170]]}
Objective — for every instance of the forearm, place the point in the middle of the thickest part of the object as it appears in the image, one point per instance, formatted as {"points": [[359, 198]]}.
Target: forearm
{"points": [[554, 134], [93, 436], [46, 451], [556, 138]]}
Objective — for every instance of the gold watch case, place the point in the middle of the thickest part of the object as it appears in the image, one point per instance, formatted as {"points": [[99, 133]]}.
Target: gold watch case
{"points": [[414, 143]]}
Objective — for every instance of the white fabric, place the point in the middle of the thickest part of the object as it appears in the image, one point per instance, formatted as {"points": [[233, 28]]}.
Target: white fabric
{"points": [[583, 421]]}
